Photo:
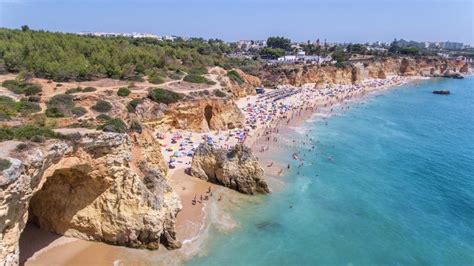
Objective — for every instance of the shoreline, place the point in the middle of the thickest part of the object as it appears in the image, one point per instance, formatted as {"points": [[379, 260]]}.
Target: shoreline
{"points": [[194, 222]]}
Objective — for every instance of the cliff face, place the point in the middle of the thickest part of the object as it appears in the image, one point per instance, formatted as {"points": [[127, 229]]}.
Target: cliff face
{"points": [[236, 168], [203, 115], [245, 88], [96, 188], [238, 89], [298, 75]]}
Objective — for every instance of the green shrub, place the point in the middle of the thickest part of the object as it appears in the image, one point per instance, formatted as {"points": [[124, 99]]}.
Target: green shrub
{"points": [[34, 99], [114, 125], [164, 96], [4, 164], [9, 107], [61, 101], [198, 71], [22, 88], [27, 132], [54, 112], [89, 89], [78, 111], [31, 89], [74, 90], [132, 105], [102, 106], [21, 147], [196, 79], [235, 76], [123, 92], [83, 124], [4, 116], [103, 117], [26, 107], [136, 127], [10, 84], [6, 134], [219, 93], [155, 79]]}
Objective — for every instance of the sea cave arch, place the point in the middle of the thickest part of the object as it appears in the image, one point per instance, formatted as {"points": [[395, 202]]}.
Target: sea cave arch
{"points": [[60, 206]]}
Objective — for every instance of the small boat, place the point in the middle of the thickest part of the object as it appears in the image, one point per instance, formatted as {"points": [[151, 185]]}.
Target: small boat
{"points": [[443, 92]]}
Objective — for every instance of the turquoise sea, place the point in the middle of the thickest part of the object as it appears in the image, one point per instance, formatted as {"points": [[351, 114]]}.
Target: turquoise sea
{"points": [[399, 189]]}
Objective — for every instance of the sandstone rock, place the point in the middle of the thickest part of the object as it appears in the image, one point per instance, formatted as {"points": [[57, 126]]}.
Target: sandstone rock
{"points": [[298, 75], [236, 168], [203, 115], [89, 190]]}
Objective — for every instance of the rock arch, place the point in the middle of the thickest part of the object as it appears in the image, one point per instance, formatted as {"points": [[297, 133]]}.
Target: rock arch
{"points": [[88, 190]]}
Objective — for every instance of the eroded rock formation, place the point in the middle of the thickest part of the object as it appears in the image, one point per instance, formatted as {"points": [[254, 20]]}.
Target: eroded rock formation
{"points": [[236, 168], [238, 89], [358, 71], [203, 115], [90, 189]]}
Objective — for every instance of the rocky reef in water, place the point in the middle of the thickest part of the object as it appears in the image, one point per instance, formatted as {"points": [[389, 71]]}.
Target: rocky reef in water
{"points": [[90, 188], [236, 168]]}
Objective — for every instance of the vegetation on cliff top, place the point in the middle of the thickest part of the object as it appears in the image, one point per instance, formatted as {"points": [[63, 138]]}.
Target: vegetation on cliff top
{"points": [[116, 125], [123, 92], [193, 78], [10, 107], [132, 105], [235, 76], [60, 105], [62, 57], [164, 96], [19, 87], [28, 132], [102, 106]]}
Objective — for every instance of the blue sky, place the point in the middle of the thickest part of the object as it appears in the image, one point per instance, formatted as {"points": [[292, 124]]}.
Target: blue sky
{"points": [[336, 20]]}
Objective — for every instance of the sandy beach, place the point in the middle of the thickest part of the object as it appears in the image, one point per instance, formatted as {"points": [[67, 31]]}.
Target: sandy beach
{"points": [[268, 117]]}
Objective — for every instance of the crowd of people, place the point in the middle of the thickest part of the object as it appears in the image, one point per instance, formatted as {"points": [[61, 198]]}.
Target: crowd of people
{"points": [[264, 114]]}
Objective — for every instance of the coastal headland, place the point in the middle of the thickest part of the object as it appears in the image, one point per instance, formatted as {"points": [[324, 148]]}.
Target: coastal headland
{"points": [[143, 165]]}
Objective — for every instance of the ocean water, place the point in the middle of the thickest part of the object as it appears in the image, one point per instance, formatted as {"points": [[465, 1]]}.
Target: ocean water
{"points": [[399, 189]]}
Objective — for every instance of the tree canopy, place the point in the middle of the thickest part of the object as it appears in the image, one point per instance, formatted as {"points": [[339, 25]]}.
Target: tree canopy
{"points": [[63, 57], [279, 42]]}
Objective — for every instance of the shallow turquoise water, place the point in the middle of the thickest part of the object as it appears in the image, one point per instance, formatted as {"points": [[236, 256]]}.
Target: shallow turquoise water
{"points": [[399, 190]]}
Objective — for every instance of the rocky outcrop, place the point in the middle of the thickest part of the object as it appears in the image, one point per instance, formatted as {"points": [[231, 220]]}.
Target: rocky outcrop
{"points": [[236, 168], [238, 89], [149, 110], [90, 189], [203, 115], [245, 88]]}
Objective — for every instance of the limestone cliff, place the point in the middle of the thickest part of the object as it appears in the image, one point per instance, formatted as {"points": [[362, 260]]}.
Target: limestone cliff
{"points": [[203, 115], [356, 72], [236, 168], [90, 188], [238, 89], [245, 88]]}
